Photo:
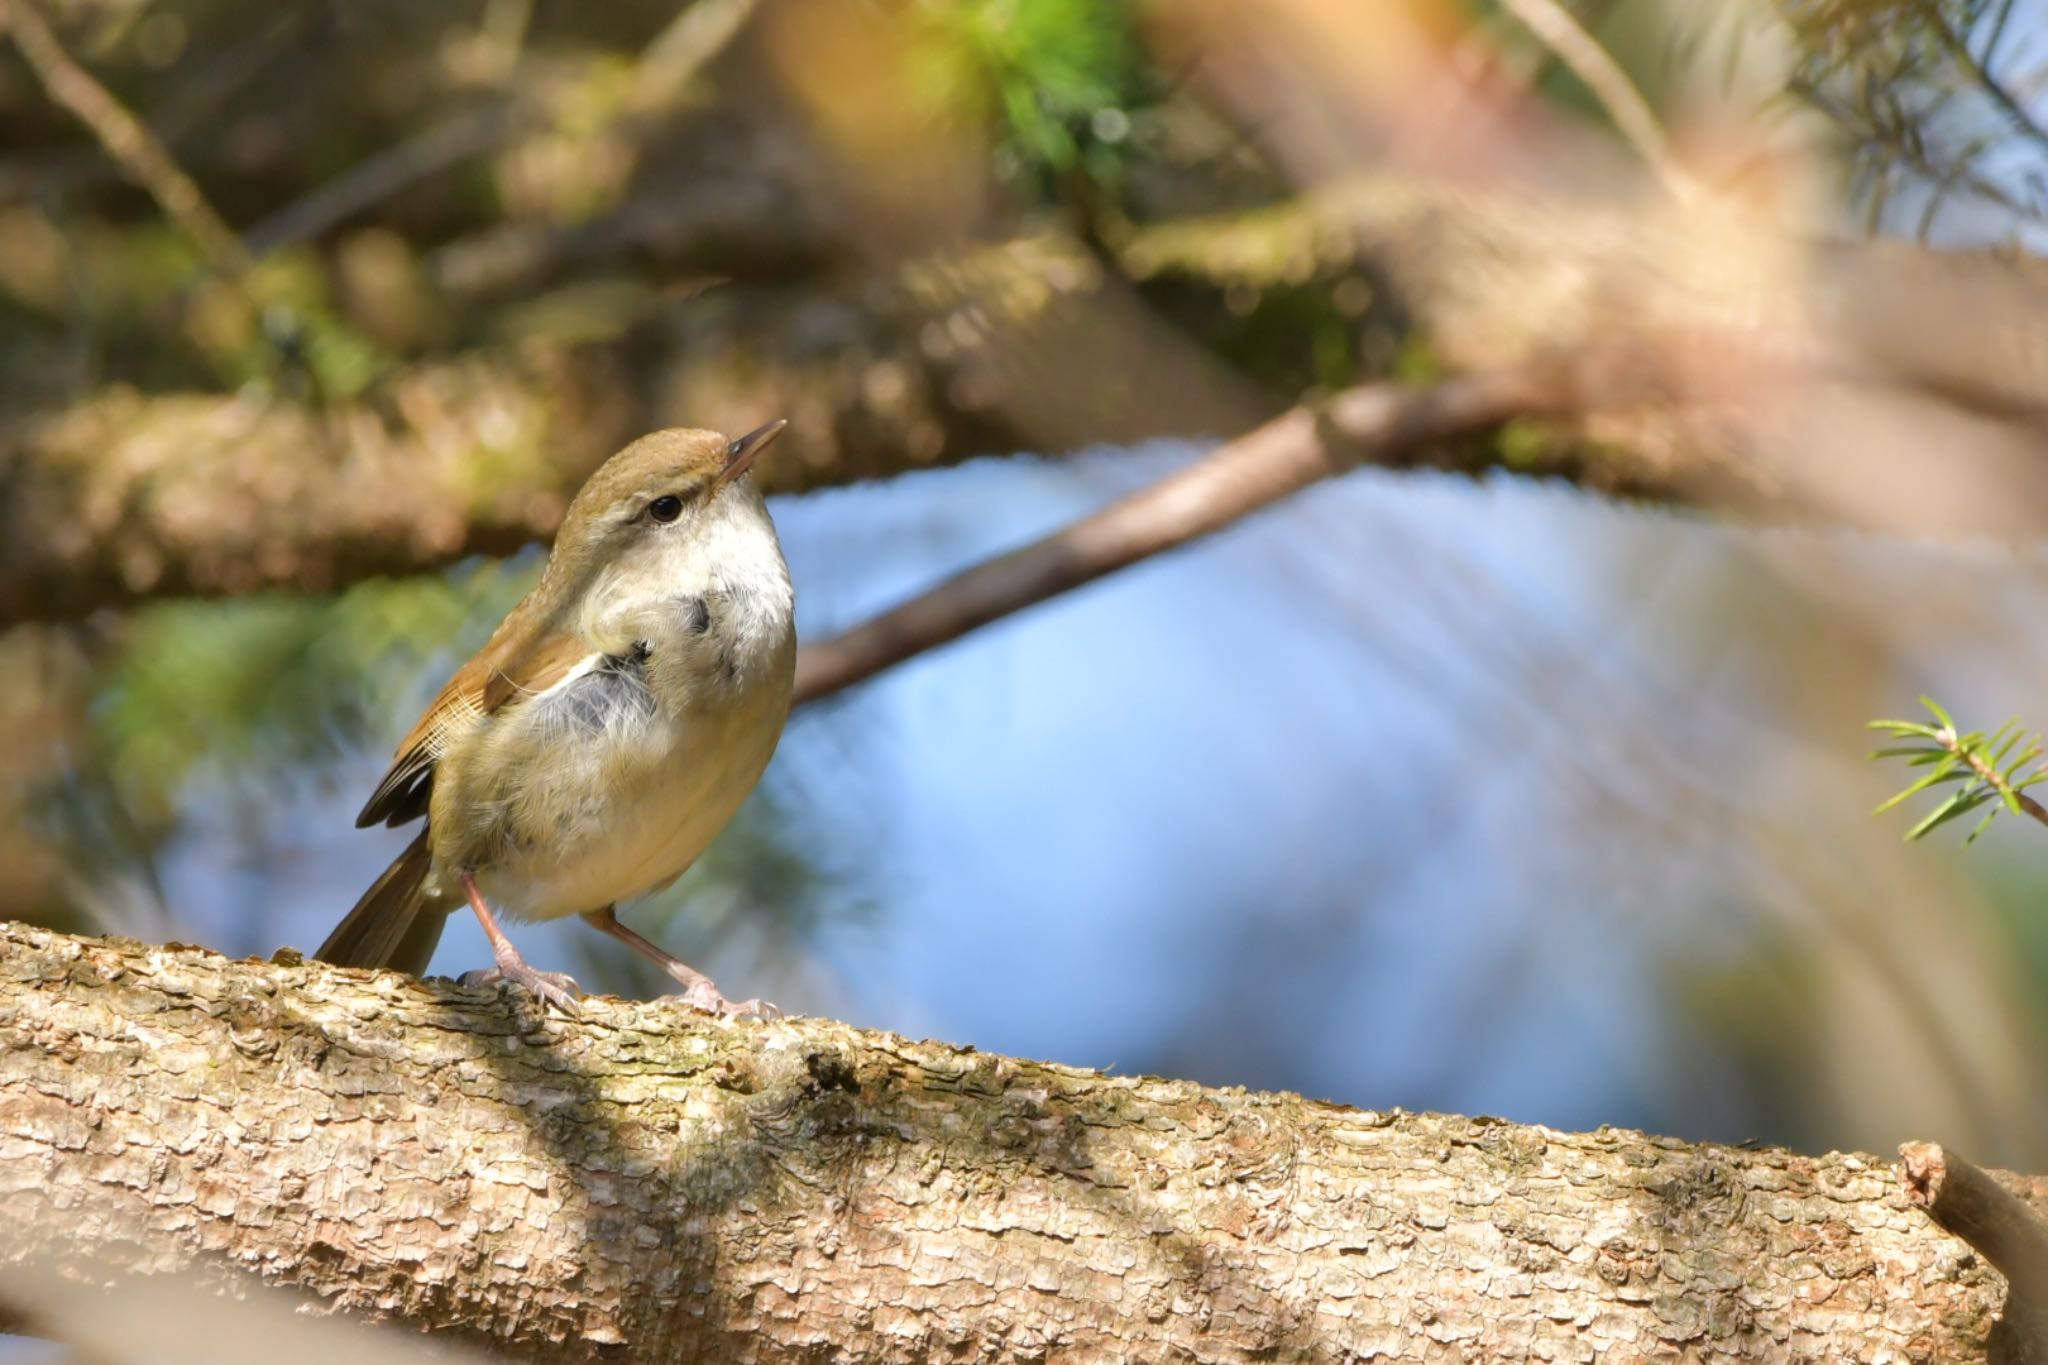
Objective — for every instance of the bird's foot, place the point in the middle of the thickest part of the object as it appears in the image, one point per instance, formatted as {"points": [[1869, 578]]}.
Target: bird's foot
{"points": [[553, 988], [698, 991], [702, 995]]}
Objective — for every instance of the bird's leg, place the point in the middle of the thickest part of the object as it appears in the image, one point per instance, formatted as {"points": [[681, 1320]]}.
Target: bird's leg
{"points": [[553, 988], [698, 990]]}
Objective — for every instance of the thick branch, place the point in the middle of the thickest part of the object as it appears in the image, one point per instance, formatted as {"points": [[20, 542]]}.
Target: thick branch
{"points": [[135, 495], [645, 1185], [1882, 385], [131, 495]]}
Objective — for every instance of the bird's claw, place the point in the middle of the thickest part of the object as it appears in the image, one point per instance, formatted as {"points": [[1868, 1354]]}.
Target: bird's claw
{"points": [[704, 996], [552, 988]]}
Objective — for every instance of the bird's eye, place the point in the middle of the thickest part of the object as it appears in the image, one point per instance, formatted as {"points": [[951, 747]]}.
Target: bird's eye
{"points": [[667, 507]]}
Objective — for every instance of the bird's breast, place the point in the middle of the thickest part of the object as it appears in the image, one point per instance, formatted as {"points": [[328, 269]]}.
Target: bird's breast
{"points": [[612, 783]]}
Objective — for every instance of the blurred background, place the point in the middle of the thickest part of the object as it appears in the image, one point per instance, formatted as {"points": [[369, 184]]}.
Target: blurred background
{"points": [[1528, 778]]}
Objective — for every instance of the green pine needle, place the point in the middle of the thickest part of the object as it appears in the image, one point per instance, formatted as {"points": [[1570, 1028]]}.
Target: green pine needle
{"points": [[1994, 769]]}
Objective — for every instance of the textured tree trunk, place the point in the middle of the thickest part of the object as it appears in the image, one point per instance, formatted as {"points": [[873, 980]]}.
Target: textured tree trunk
{"points": [[646, 1185]]}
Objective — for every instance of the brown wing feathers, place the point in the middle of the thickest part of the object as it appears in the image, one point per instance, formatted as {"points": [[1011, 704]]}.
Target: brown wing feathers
{"points": [[403, 795], [509, 668]]}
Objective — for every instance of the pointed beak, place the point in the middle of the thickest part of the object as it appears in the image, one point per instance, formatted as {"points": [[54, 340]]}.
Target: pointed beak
{"points": [[741, 454]]}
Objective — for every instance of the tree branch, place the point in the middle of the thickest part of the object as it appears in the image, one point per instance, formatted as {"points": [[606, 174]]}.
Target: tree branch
{"points": [[1380, 423], [647, 1185], [136, 495], [2015, 113], [1836, 370], [2013, 1237], [1560, 31], [1988, 773], [130, 495], [668, 65], [382, 175], [132, 146]]}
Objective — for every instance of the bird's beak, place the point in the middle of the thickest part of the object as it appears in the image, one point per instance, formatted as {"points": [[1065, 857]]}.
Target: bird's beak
{"points": [[741, 454]]}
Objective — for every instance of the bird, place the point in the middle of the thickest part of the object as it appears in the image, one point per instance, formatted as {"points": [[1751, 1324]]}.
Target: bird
{"points": [[606, 732]]}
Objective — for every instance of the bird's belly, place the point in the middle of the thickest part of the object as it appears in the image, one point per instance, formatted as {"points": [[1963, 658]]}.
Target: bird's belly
{"points": [[626, 812]]}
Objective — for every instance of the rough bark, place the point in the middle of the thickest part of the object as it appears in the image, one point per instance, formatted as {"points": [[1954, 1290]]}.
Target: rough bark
{"points": [[646, 1185], [1972, 1204]]}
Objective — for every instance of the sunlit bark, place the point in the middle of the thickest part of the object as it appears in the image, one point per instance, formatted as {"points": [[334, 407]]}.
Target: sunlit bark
{"points": [[645, 1185]]}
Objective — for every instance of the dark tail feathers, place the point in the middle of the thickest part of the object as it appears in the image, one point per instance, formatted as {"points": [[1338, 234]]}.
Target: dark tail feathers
{"points": [[392, 925]]}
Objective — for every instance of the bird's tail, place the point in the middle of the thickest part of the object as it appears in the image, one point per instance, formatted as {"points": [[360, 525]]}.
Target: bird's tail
{"points": [[393, 925]]}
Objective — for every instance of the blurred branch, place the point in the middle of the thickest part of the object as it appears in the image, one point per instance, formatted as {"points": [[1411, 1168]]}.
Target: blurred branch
{"points": [[645, 1185], [1969, 1203], [1381, 423], [1915, 88], [385, 174], [1957, 46], [133, 495], [664, 71], [1816, 377], [125, 139], [746, 225], [1806, 378], [683, 48], [1562, 33]]}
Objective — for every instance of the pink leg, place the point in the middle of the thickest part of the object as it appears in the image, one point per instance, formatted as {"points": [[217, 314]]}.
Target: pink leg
{"points": [[550, 987], [698, 990]]}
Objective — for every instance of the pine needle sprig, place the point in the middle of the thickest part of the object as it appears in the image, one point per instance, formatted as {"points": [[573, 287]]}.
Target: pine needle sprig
{"points": [[1989, 772]]}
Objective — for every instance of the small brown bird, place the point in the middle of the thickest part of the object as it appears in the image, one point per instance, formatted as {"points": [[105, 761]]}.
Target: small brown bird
{"points": [[611, 726]]}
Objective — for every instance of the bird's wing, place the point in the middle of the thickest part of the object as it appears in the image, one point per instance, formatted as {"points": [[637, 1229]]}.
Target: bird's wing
{"points": [[519, 661]]}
